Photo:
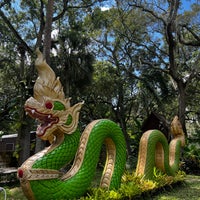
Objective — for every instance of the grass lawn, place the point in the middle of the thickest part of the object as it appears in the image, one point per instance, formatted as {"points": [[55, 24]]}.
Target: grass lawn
{"points": [[189, 190]]}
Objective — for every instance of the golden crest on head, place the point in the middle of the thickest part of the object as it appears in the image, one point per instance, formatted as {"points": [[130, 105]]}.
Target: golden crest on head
{"points": [[47, 84], [176, 127]]}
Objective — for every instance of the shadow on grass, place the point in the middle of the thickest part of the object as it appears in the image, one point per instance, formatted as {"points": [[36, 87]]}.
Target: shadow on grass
{"points": [[187, 190]]}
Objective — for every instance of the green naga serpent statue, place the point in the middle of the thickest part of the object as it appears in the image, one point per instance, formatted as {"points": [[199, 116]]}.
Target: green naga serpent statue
{"points": [[42, 175]]}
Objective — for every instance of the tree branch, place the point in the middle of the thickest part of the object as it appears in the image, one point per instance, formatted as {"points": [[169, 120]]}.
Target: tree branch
{"points": [[10, 26], [143, 8], [66, 7], [195, 42], [42, 25]]}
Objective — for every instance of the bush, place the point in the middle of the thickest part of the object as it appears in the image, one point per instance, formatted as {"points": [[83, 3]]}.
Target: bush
{"points": [[191, 159], [134, 186]]}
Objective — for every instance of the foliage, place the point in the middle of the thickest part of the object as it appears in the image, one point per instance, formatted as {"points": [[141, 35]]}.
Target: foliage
{"points": [[191, 159], [191, 151], [15, 193], [133, 186]]}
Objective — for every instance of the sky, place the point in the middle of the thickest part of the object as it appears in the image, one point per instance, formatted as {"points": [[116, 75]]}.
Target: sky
{"points": [[186, 4], [107, 4]]}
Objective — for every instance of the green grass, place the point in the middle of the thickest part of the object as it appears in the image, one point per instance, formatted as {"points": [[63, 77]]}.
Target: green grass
{"points": [[14, 194], [187, 190]]}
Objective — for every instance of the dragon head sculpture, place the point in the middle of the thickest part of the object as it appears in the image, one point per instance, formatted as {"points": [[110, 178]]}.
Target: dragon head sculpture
{"points": [[48, 105], [177, 130]]}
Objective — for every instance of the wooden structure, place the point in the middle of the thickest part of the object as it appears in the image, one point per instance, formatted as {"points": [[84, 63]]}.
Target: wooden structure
{"points": [[7, 148], [8, 163], [159, 122]]}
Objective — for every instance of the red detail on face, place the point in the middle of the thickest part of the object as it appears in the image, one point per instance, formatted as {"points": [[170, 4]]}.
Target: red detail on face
{"points": [[48, 105], [20, 173]]}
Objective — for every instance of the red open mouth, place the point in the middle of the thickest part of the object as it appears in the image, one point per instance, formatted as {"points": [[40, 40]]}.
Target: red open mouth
{"points": [[46, 120]]}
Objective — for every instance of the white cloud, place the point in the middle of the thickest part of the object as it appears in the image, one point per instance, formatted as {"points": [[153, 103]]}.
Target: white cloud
{"points": [[104, 8]]}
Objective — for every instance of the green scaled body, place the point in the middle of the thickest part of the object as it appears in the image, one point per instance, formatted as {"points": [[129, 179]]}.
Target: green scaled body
{"points": [[154, 151], [77, 185]]}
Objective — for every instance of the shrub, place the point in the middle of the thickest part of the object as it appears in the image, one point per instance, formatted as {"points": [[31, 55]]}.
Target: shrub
{"points": [[134, 186], [191, 159]]}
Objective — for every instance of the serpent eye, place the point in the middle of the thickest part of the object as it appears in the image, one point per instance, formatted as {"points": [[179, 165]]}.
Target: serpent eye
{"points": [[48, 105]]}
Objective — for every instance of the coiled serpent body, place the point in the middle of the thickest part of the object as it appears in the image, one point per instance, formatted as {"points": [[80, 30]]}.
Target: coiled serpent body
{"points": [[42, 176], [75, 182]]}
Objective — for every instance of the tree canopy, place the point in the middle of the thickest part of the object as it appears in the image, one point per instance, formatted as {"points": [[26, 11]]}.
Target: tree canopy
{"points": [[125, 59]]}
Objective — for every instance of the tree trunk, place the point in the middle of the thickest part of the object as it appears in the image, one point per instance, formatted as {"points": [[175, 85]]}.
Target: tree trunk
{"points": [[23, 140], [171, 33], [47, 30], [120, 114], [46, 49], [182, 104], [127, 138], [40, 144], [42, 26]]}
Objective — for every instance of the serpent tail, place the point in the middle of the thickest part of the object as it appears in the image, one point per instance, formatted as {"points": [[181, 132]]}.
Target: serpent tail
{"points": [[154, 151]]}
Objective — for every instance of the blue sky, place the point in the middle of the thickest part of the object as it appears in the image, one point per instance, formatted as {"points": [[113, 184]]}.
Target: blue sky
{"points": [[187, 3], [108, 3]]}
